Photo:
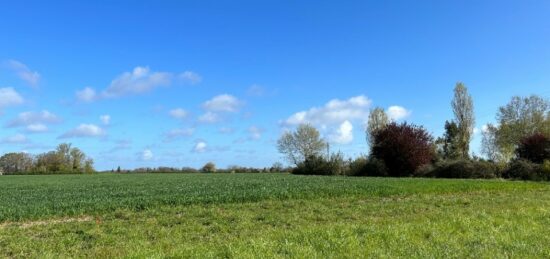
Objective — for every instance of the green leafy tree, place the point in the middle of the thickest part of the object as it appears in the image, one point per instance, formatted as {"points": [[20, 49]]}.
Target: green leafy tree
{"points": [[521, 117], [448, 145], [301, 144], [463, 109], [378, 120]]}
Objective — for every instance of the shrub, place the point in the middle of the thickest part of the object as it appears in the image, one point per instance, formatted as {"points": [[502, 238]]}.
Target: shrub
{"points": [[367, 167], [522, 169], [209, 168], [357, 166], [318, 165], [535, 148], [403, 148], [462, 168]]}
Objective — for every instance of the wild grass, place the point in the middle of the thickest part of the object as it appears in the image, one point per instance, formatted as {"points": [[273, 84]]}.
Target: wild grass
{"points": [[35, 197], [272, 216]]}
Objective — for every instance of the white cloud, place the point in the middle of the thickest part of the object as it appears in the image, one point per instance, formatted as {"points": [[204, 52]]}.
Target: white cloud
{"points": [[84, 130], [15, 139], [200, 147], [37, 128], [344, 133], [191, 77], [255, 133], [9, 97], [210, 117], [176, 133], [140, 80], [147, 155], [105, 119], [397, 113], [87, 94], [223, 103], [23, 72], [34, 118], [178, 113], [334, 112]]}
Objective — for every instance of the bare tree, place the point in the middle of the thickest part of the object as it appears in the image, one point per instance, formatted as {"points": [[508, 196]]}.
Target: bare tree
{"points": [[463, 108], [378, 120], [301, 144]]}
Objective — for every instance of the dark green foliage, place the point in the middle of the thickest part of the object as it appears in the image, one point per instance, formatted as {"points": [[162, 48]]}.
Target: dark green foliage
{"points": [[462, 168], [403, 148], [535, 148], [319, 165], [367, 167], [522, 169], [448, 145]]}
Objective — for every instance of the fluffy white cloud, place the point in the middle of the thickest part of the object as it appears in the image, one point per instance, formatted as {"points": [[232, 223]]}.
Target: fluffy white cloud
{"points": [[200, 147], [344, 133], [210, 117], [36, 128], [178, 113], [334, 112], [176, 133], [397, 113], [147, 155], [223, 103], [83, 131], [9, 97], [37, 119], [191, 77], [105, 119], [87, 94], [15, 139], [23, 72], [140, 80]]}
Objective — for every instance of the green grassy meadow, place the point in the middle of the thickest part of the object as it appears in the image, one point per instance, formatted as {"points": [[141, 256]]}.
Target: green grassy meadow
{"points": [[270, 215]]}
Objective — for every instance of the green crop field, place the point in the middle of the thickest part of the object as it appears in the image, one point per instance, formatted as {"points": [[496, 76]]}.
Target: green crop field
{"points": [[270, 215]]}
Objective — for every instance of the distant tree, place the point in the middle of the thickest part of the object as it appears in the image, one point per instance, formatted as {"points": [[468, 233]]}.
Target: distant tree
{"points": [[489, 144], [448, 145], [403, 148], [209, 168], [118, 169], [463, 109], [378, 120], [521, 117], [302, 143], [12, 163], [535, 148]]}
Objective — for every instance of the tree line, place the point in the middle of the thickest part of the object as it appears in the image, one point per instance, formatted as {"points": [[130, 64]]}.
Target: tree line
{"points": [[517, 146], [64, 159]]}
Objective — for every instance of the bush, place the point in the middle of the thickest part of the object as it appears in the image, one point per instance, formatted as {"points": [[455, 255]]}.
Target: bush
{"points": [[209, 168], [535, 148], [363, 166], [522, 169], [318, 165], [460, 169], [403, 148]]}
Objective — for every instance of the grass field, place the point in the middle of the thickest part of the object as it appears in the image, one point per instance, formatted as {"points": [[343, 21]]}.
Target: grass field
{"points": [[270, 215]]}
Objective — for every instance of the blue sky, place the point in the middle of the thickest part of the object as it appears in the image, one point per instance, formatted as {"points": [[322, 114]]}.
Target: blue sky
{"points": [[181, 83]]}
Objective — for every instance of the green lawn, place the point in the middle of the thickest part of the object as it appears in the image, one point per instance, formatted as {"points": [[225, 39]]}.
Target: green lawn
{"points": [[271, 215]]}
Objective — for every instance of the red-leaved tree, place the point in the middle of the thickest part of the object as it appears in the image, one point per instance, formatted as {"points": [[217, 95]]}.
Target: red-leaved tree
{"points": [[403, 148]]}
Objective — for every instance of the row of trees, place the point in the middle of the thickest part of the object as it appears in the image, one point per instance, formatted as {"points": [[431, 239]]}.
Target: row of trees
{"points": [[521, 137], [64, 159]]}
